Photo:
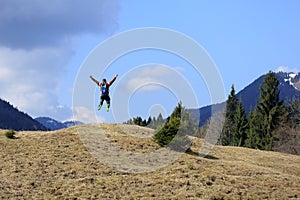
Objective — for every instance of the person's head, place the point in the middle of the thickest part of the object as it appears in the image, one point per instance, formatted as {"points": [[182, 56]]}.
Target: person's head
{"points": [[104, 80]]}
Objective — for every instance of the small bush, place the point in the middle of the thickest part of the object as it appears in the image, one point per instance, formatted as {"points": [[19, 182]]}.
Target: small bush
{"points": [[10, 134], [176, 129], [166, 134]]}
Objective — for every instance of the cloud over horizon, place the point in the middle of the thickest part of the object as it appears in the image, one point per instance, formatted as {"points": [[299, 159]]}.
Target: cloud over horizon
{"points": [[287, 69], [36, 46], [31, 80], [86, 115]]}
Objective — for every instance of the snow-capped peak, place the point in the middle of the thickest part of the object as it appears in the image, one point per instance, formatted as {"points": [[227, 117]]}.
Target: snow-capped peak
{"points": [[290, 78], [292, 75]]}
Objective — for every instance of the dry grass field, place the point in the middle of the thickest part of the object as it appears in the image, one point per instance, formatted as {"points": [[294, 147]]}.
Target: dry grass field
{"points": [[56, 165]]}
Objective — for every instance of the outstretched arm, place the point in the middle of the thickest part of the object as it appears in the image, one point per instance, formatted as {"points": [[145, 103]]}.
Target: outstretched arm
{"points": [[93, 79], [113, 80]]}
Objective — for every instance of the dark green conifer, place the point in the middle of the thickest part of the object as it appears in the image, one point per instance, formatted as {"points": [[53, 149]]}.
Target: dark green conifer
{"points": [[240, 126], [267, 115], [231, 106]]}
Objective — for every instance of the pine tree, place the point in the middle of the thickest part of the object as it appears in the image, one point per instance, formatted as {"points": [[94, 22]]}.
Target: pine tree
{"points": [[130, 121], [153, 123], [177, 111], [137, 121], [293, 113], [240, 126], [231, 106], [251, 134], [160, 119], [149, 121], [179, 124], [166, 134], [143, 123], [267, 114]]}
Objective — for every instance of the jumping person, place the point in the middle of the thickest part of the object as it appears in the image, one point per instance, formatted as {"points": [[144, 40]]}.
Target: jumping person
{"points": [[104, 86]]}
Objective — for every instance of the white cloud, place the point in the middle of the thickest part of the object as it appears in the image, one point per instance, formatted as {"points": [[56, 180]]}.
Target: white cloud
{"points": [[150, 78], [36, 41], [155, 79], [180, 69], [143, 83], [5, 74], [157, 71], [30, 80], [287, 69], [86, 115]]}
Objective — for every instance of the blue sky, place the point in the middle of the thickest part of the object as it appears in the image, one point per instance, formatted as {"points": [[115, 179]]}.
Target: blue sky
{"points": [[43, 46]]}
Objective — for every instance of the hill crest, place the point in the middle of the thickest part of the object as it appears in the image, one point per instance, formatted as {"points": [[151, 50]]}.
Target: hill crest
{"points": [[57, 165]]}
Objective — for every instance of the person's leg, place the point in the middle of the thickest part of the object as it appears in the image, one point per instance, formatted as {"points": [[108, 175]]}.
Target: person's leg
{"points": [[101, 102], [108, 103]]}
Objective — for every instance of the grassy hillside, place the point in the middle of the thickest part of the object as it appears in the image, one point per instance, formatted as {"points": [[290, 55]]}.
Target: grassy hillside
{"points": [[56, 165]]}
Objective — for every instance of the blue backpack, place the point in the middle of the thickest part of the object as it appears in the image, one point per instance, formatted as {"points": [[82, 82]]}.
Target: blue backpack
{"points": [[103, 90]]}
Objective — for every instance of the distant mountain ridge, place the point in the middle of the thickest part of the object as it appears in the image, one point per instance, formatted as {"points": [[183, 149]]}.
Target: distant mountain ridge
{"points": [[72, 123], [289, 87], [12, 118], [53, 124]]}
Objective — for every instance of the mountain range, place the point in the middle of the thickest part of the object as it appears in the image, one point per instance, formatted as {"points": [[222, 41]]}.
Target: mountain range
{"points": [[53, 124], [289, 87], [12, 118]]}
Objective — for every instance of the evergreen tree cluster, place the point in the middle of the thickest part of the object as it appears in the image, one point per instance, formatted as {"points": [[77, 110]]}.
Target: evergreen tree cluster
{"points": [[257, 130], [151, 122]]}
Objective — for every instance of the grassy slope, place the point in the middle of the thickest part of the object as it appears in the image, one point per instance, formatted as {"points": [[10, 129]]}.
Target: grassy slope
{"points": [[56, 165]]}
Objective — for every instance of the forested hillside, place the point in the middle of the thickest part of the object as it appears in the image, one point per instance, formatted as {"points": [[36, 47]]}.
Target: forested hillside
{"points": [[12, 118]]}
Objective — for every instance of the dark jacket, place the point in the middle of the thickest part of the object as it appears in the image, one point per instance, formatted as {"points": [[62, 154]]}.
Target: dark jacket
{"points": [[100, 84]]}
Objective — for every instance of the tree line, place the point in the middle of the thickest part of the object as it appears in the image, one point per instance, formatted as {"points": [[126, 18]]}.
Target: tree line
{"points": [[270, 122], [260, 128], [151, 122]]}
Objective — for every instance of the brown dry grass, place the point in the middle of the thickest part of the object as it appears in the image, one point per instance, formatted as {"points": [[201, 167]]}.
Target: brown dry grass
{"points": [[56, 165]]}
